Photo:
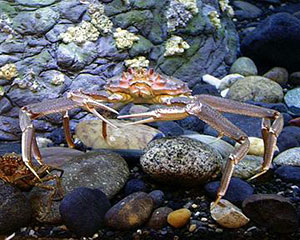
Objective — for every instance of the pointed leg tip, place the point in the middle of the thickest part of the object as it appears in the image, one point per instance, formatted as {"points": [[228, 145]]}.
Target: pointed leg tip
{"points": [[216, 202], [257, 175]]}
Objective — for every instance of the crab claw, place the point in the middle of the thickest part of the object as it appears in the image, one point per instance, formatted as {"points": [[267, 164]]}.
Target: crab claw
{"points": [[163, 114]]}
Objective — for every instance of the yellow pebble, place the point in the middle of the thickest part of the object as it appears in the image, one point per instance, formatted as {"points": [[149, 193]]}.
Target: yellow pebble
{"points": [[179, 218]]}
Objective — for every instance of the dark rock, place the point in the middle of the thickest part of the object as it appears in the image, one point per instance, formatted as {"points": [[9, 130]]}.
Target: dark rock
{"points": [[15, 209], [275, 42], [9, 147], [295, 78], [83, 210], [289, 138], [72, 10], [192, 123], [158, 197], [205, 89], [237, 192], [35, 3], [158, 219], [135, 185], [246, 10], [278, 74], [130, 212], [272, 211], [170, 128], [289, 173]]}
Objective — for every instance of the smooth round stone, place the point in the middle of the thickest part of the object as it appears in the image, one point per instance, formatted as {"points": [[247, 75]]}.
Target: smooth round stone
{"points": [[123, 137], [236, 193], [158, 219], [179, 218], [288, 157], [278, 74], [158, 197], [256, 88], [257, 147], [289, 138], [170, 128], [292, 98], [131, 212], [295, 78], [289, 173], [272, 211], [135, 185], [180, 160], [15, 209], [228, 215], [244, 66], [102, 169], [83, 210]]}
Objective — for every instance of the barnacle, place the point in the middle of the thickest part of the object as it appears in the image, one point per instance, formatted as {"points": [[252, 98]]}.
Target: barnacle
{"points": [[124, 39], [225, 7], [138, 62], [99, 19], [175, 45], [2, 92], [215, 19], [58, 79], [8, 71]]}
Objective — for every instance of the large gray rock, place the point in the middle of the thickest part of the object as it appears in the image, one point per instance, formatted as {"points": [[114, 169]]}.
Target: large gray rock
{"points": [[288, 157], [180, 160]]}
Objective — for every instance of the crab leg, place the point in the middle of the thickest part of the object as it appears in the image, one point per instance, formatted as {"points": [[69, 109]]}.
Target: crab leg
{"points": [[66, 126]]}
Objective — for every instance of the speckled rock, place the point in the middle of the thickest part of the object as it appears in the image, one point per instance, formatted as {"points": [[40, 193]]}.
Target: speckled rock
{"points": [[292, 98], [180, 160], [272, 211], [278, 74], [179, 217], [228, 215], [256, 88], [104, 170], [124, 137], [130, 212], [244, 66], [288, 157], [15, 210], [158, 219]]}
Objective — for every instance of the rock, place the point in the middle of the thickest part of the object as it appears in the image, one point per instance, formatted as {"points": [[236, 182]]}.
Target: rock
{"points": [[288, 157], [43, 142], [125, 137], [158, 197], [15, 209], [83, 210], [289, 138], [35, 3], [72, 10], [131, 212], [179, 218], [170, 128], [228, 215], [256, 88], [104, 170], [289, 174], [9, 147], [205, 89], [245, 10], [257, 147], [244, 66], [135, 185], [237, 191], [272, 211], [192, 123], [292, 98], [158, 219], [295, 122], [180, 160], [282, 29], [295, 78], [278, 74]]}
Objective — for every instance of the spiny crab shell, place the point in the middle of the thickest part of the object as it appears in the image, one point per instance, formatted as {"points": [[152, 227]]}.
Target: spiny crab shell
{"points": [[145, 85]]}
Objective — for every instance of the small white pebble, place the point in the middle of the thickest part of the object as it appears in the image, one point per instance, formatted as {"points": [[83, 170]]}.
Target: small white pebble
{"points": [[192, 228], [219, 230], [280, 193], [194, 205], [294, 187], [203, 219], [31, 232], [197, 214], [139, 231]]}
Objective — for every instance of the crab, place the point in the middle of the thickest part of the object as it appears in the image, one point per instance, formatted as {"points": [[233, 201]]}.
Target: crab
{"points": [[144, 86], [14, 171]]}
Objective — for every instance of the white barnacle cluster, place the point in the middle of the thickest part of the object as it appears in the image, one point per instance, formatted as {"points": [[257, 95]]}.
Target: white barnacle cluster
{"points": [[124, 39], [225, 7], [137, 62], [215, 19], [28, 82], [180, 12], [58, 79], [6, 27], [8, 71], [85, 31], [99, 19], [175, 45], [2, 92]]}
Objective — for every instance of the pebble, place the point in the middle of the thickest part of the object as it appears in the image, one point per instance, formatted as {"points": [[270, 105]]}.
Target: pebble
{"points": [[158, 197], [135, 185], [289, 138], [244, 66], [292, 98], [131, 212], [228, 215], [289, 174], [295, 78], [288, 157], [278, 74], [158, 219], [257, 147], [179, 218], [83, 210], [272, 211]]}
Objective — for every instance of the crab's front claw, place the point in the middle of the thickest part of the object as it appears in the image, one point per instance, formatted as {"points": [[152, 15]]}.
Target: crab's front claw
{"points": [[163, 114]]}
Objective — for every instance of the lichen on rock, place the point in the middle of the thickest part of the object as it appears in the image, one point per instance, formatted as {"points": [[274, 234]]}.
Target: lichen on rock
{"points": [[138, 62], [8, 71], [175, 45], [124, 39]]}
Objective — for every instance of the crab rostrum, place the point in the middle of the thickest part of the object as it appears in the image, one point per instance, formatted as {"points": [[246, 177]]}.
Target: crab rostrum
{"points": [[147, 87]]}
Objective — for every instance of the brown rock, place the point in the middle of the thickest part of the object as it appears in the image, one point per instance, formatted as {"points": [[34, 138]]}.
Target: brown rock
{"points": [[158, 219], [278, 74], [179, 218], [131, 212]]}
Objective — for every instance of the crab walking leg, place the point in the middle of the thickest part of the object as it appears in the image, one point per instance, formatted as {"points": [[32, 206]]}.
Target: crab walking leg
{"points": [[66, 126], [35, 149], [270, 131]]}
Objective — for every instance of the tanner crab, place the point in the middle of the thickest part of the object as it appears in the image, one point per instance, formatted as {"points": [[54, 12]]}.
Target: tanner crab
{"points": [[146, 86]]}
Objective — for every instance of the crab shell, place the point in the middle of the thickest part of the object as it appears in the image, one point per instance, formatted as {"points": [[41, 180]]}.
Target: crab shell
{"points": [[144, 85]]}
